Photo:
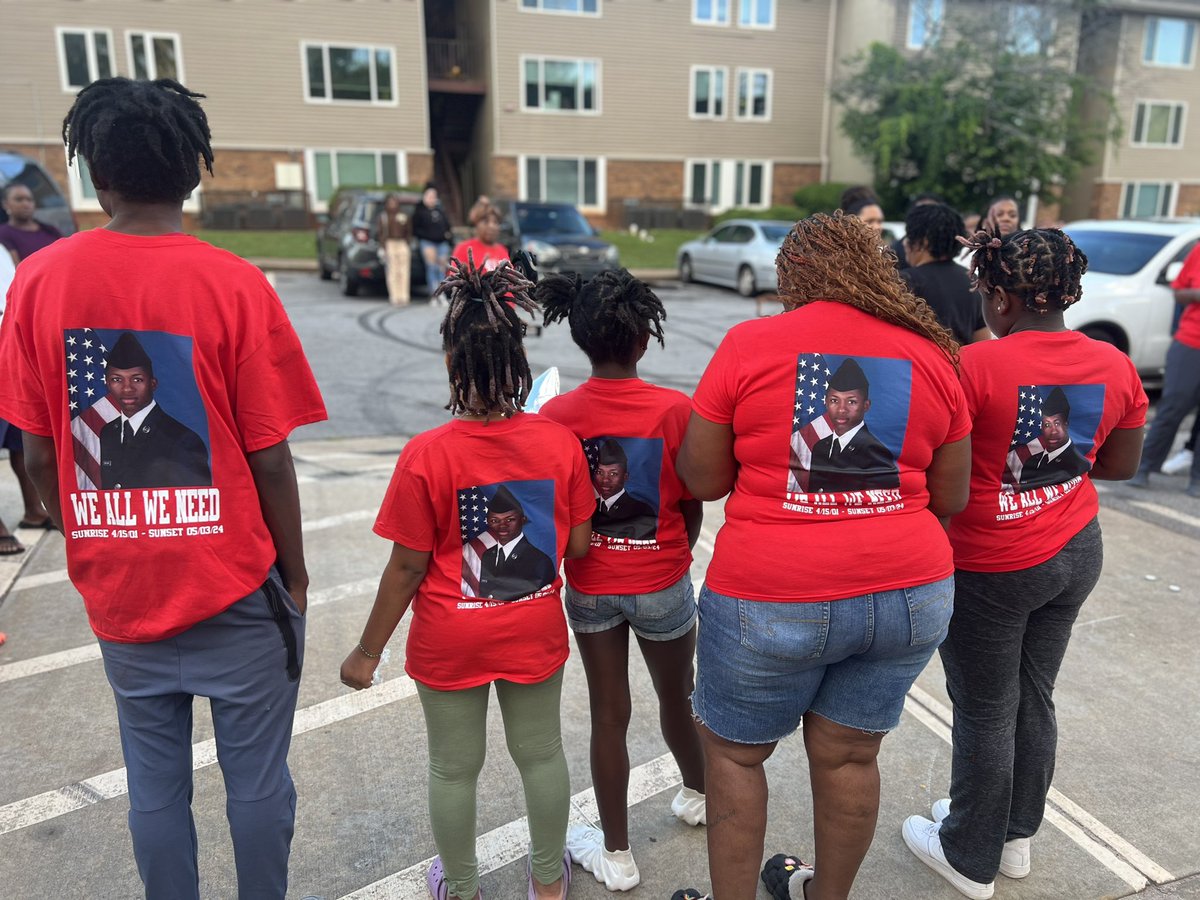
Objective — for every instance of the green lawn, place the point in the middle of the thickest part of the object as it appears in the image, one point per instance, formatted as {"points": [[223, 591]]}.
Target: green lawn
{"points": [[264, 244], [659, 254]]}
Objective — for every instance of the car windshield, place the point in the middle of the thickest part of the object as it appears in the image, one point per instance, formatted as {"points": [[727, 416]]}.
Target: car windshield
{"points": [[1118, 252], [775, 233], [561, 219]]}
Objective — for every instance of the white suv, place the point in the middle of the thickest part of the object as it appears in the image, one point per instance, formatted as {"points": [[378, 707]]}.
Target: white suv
{"points": [[1127, 297]]}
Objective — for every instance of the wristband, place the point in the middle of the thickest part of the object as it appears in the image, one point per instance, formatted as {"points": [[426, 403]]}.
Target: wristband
{"points": [[367, 653]]}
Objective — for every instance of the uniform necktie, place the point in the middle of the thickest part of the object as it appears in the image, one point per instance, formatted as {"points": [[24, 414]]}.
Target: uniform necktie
{"points": [[127, 433]]}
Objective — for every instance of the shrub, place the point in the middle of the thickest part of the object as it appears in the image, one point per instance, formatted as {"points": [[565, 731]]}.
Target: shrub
{"points": [[815, 198], [782, 213]]}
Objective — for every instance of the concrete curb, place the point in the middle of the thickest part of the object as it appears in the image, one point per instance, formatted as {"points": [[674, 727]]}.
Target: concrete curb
{"points": [[272, 264]]}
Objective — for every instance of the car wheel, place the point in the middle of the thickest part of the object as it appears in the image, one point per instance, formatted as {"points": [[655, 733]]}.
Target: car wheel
{"points": [[346, 281], [685, 269], [1102, 334], [745, 282]]}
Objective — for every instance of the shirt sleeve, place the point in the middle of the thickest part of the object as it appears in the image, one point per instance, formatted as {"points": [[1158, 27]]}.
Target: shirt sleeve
{"points": [[1189, 276], [276, 391], [716, 395], [407, 516], [1135, 414], [23, 399], [960, 417], [583, 500]]}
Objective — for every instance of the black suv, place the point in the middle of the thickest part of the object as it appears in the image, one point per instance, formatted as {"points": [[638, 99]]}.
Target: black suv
{"points": [[558, 236], [348, 240]]}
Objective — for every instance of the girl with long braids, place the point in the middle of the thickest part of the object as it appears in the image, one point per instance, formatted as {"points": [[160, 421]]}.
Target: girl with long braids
{"points": [[636, 575], [839, 432], [480, 512], [1052, 410]]}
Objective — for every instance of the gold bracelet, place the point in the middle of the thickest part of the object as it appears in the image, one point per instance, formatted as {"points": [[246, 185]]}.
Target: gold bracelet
{"points": [[367, 653]]}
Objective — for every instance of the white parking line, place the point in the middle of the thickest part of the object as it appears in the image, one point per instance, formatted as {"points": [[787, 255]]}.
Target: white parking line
{"points": [[1166, 512], [1094, 837]]}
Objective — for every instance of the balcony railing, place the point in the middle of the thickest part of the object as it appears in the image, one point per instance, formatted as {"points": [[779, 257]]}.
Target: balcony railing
{"points": [[455, 59]]}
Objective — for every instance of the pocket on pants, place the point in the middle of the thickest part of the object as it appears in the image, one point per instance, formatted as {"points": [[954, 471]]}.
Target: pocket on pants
{"points": [[929, 609], [789, 631]]}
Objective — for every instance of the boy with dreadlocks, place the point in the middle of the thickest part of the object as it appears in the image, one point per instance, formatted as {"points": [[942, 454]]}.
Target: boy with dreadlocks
{"points": [[215, 608], [480, 512], [637, 573], [1046, 404]]}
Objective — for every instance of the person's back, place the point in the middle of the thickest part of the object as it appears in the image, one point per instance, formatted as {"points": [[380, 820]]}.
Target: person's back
{"points": [[932, 242]]}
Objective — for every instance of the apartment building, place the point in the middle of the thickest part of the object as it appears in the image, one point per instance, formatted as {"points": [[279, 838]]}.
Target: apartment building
{"points": [[608, 104]]}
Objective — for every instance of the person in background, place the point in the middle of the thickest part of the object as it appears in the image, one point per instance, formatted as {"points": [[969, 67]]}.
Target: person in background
{"points": [[931, 243], [871, 213], [432, 230], [484, 249], [898, 244], [395, 234], [1001, 216], [1027, 551], [481, 205], [23, 235]]}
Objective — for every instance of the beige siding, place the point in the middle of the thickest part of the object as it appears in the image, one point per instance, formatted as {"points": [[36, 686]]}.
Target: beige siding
{"points": [[646, 50], [244, 54], [859, 24]]}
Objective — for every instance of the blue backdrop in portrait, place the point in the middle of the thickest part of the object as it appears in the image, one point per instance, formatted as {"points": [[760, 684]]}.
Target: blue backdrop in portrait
{"points": [[537, 502], [890, 393], [1087, 406], [644, 458]]}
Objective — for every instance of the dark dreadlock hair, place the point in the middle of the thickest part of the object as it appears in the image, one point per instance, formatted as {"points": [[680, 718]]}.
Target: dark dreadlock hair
{"points": [[1041, 266], [938, 226], [482, 334], [838, 258], [608, 314], [143, 139]]}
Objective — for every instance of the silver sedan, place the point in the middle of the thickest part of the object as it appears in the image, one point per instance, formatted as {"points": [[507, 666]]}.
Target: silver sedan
{"points": [[738, 253]]}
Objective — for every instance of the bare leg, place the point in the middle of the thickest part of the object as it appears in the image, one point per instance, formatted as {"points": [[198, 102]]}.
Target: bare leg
{"points": [[844, 774], [605, 656], [673, 673], [737, 814], [35, 512]]}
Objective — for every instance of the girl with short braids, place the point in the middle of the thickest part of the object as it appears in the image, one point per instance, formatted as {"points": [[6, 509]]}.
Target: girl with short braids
{"points": [[838, 431], [480, 513], [636, 576], [1051, 410]]}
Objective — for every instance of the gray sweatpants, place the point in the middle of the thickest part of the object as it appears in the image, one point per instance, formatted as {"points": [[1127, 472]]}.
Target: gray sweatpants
{"points": [[239, 659], [1181, 394], [1007, 640]]}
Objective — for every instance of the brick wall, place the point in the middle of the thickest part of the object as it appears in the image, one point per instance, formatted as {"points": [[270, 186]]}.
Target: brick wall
{"points": [[505, 182], [1188, 203], [420, 169], [788, 177], [1106, 201]]}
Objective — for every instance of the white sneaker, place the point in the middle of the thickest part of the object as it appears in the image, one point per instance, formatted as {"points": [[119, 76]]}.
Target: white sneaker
{"points": [[1179, 462], [689, 806], [615, 869], [1015, 860], [922, 839]]}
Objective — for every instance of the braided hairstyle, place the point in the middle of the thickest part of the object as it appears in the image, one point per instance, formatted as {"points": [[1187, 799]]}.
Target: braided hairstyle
{"points": [[838, 258], [482, 335], [608, 314], [143, 139], [938, 226], [1041, 266]]}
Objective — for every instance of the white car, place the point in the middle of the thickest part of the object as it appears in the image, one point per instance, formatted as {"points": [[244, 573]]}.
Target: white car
{"points": [[1127, 296], [738, 253]]}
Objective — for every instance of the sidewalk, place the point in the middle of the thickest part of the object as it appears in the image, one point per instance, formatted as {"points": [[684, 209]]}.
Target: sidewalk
{"points": [[276, 264]]}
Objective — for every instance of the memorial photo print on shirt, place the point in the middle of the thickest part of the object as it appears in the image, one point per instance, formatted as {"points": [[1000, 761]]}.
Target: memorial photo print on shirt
{"points": [[137, 419], [849, 418], [1054, 433], [508, 537], [625, 476]]}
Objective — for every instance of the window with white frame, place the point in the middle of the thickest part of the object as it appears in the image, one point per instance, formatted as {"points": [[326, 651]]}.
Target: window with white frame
{"points": [[1169, 42], [719, 184], [85, 54], [578, 180], [560, 85], [924, 22], [756, 14], [354, 74], [154, 55], [1140, 199], [708, 92], [83, 193], [1158, 124], [330, 169], [753, 94], [575, 7], [710, 12], [1030, 28]]}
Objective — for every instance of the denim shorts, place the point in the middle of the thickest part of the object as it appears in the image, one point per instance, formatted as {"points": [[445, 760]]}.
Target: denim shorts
{"points": [[661, 616], [762, 666]]}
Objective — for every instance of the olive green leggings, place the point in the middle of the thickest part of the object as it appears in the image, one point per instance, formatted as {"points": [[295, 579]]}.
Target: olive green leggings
{"points": [[456, 723]]}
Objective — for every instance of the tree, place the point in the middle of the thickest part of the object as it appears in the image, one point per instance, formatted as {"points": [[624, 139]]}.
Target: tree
{"points": [[992, 106]]}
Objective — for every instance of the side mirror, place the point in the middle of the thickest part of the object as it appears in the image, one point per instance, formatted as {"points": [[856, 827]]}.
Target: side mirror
{"points": [[1171, 272]]}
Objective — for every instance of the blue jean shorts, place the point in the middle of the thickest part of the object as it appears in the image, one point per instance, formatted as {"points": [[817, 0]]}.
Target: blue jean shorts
{"points": [[762, 666], [661, 616]]}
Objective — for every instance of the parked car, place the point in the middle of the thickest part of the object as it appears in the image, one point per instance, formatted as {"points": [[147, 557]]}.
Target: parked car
{"points": [[348, 240], [1127, 298], [52, 206], [738, 253], [558, 236]]}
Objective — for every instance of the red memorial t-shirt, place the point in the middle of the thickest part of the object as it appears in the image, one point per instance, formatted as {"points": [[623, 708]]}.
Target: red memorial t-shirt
{"points": [[1188, 331], [485, 256], [1041, 403], [494, 502], [631, 432], [835, 416], [156, 364]]}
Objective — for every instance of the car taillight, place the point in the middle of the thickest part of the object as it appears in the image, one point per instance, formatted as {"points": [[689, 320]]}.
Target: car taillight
{"points": [[361, 235]]}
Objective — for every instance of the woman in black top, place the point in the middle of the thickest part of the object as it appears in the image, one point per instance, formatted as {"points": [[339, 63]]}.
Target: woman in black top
{"points": [[930, 244]]}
